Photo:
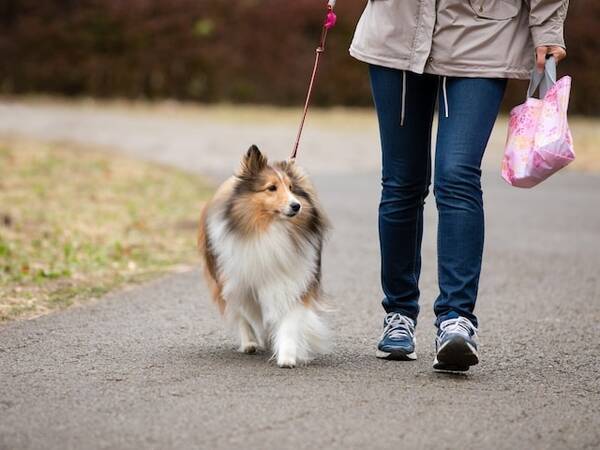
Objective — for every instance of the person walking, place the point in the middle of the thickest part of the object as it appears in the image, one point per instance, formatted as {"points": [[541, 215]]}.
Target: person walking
{"points": [[458, 53]]}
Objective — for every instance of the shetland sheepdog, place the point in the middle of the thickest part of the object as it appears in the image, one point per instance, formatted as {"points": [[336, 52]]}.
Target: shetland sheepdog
{"points": [[261, 238]]}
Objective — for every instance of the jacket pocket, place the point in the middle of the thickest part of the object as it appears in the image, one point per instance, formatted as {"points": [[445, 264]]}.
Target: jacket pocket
{"points": [[496, 9]]}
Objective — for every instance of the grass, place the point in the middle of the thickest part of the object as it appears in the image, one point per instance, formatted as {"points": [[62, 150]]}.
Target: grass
{"points": [[75, 224], [586, 139]]}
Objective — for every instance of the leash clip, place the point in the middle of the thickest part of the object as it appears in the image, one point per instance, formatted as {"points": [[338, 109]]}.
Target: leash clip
{"points": [[330, 20]]}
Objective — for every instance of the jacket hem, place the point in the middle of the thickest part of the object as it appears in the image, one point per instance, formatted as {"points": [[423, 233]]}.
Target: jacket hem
{"points": [[441, 69], [392, 63]]}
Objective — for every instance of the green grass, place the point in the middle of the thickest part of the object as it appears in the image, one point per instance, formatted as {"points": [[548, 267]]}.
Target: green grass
{"points": [[76, 223]]}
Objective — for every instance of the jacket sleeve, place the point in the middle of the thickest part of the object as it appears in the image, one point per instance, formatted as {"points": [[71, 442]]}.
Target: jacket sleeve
{"points": [[546, 20]]}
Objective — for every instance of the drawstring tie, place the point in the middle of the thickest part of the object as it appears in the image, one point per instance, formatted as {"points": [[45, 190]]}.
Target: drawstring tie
{"points": [[402, 113], [445, 96], [403, 107]]}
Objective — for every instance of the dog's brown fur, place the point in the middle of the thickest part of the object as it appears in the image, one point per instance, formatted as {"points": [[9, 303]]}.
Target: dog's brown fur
{"points": [[250, 207]]}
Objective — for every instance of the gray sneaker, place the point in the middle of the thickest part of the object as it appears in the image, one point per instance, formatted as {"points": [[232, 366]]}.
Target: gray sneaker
{"points": [[398, 339], [456, 345]]}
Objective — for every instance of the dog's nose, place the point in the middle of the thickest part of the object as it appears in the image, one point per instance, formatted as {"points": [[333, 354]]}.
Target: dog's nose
{"points": [[295, 207]]}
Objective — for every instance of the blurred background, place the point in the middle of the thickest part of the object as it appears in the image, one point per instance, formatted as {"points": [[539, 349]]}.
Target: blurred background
{"points": [[242, 51], [117, 120]]}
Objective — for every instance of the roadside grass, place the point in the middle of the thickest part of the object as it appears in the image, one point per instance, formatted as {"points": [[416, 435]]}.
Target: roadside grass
{"points": [[76, 223], [586, 139]]}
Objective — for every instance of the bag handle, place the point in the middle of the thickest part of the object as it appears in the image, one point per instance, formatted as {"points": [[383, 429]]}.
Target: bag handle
{"points": [[544, 80]]}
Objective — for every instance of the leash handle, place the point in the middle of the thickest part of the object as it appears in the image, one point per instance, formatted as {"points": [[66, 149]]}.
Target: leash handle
{"points": [[329, 23]]}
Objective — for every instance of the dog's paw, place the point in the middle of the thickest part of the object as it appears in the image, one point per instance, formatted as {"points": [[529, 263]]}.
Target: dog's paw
{"points": [[286, 363], [249, 348]]}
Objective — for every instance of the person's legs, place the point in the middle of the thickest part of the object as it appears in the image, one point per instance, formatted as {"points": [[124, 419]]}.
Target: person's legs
{"points": [[406, 167], [473, 105]]}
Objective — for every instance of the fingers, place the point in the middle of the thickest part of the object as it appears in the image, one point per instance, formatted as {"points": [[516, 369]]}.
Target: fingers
{"points": [[559, 53], [541, 52], [540, 57]]}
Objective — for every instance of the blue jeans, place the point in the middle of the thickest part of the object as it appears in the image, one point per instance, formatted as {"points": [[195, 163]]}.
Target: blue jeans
{"points": [[465, 125]]}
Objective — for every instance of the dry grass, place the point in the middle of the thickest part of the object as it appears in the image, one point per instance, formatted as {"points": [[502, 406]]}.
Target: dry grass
{"points": [[586, 137], [74, 224]]}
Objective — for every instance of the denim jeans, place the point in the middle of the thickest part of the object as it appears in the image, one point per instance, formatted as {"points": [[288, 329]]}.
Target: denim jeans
{"points": [[468, 109]]}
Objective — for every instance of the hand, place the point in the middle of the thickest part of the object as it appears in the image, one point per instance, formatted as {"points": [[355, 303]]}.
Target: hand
{"points": [[558, 52]]}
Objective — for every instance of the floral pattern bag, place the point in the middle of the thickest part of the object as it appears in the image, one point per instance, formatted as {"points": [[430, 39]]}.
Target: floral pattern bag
{"points": [[539, 140]]}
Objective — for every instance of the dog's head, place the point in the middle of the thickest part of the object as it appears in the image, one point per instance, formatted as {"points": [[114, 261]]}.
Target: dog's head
{"points": [[268, 189], [265, 192]]}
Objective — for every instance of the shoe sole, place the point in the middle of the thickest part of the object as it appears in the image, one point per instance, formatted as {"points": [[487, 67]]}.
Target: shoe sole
{"points": [[456, 355], [396, 356]]}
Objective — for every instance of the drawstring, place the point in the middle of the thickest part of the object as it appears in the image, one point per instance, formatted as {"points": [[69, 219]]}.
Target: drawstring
{"points": [[403, 98], [445, 96], [403, 107]]}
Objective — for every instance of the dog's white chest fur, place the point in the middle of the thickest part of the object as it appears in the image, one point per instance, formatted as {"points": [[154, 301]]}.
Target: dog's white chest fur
{"points": [[267, 265]]}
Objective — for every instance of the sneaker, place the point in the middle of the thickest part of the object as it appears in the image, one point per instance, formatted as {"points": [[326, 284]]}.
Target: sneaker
{"points": [[456, 345], [398, 338]]}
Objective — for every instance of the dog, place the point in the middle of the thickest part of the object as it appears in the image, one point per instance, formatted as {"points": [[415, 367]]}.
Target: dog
{"points": [[261, 238]]}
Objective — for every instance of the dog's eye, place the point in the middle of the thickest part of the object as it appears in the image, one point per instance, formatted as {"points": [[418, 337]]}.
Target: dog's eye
{"points": [[272, 188]]}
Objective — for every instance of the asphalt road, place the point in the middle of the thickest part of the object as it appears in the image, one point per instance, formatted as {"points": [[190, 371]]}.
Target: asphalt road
{"points": [[153, 367]]}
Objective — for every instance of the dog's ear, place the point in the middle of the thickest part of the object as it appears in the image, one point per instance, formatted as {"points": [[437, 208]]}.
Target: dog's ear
{"points": [[254, 161], [291, 168]]}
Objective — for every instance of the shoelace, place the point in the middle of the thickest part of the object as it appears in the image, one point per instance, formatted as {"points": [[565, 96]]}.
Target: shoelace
{"points": [[398, 326], [460, 325]]}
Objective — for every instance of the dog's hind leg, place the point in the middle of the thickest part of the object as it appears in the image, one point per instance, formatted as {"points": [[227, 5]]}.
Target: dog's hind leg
{"points": [[251, 311], [248, 341], [250, 326]]}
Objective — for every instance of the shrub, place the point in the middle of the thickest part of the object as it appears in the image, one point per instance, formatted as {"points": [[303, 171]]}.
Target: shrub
{"points": [[256, 51]]}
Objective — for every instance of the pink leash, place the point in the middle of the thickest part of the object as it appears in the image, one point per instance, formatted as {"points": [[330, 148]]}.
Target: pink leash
{"points": [[329, 23]]}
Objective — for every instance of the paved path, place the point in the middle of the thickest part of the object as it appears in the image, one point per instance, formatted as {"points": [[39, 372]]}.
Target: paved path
{"points": [[152, 367], [209, 141]]}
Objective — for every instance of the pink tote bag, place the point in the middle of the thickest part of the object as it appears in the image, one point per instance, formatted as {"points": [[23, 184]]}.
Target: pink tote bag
{"points": [[539, 140]]}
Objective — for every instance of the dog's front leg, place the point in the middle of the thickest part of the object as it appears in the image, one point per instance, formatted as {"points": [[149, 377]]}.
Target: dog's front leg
{"points": [[241, 313], [283, 313], [288, 337], [248, 340]]}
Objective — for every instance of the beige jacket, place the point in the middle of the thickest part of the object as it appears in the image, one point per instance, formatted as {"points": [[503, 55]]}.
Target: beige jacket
{"points": [[466, 38]]}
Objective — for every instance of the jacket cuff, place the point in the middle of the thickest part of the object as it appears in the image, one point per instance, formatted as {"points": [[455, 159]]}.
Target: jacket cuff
{"points": [[549, 33]]}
